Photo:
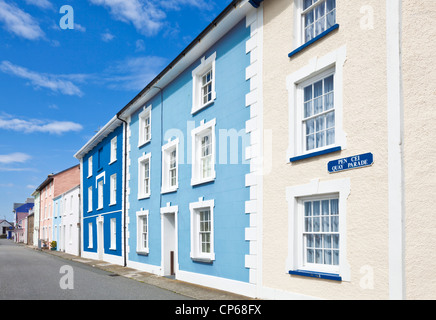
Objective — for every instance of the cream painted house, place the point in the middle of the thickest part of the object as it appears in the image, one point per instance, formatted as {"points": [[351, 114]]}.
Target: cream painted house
{"points": [[348, 190]]}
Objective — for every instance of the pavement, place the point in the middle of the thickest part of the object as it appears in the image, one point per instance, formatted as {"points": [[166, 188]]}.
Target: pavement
{"points": [[184, 288]]}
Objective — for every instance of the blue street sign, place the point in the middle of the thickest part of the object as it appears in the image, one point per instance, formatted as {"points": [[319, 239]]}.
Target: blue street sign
{"points": [[360, 161]]}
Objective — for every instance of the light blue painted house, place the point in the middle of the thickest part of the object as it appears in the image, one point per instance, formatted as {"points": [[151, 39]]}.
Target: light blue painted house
{"points": [[191, 174], [101, 163]]}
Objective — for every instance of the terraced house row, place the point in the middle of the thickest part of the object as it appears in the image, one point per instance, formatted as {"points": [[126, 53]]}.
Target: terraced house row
{"points": [[284, 154]]}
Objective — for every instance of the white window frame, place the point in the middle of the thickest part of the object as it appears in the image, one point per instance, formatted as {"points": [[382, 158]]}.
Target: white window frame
{"points": [[197, 134], [206, 65], [100, 191], [113, 234], [90, 236], [299, 21], [113, 189], [143, 116], [333, 61], [140, 248], [114, 147], [295, 196], [142, 194], [195, 209], [90, 199], [90, 167], [166, 159]]}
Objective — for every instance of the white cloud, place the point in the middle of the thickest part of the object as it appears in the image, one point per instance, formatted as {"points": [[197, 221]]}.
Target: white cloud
{"points": [[16, 157], [140, 45], [133, 74], [56, 83], [19, 22], [79, 27], [35, 125], [107, 36], [43, 4], [145, 16]]}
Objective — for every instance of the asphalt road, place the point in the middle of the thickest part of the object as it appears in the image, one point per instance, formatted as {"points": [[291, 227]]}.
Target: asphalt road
{"points": [[27, 274]]}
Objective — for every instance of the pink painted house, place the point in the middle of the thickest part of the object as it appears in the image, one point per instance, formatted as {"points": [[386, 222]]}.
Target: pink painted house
{"points": [[53, 186]]}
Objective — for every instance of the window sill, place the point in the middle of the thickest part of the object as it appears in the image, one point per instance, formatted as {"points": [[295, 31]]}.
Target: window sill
{"points": [[142, 252], [113, 161], [310, 42], [198, 109], [169, 190], [202, 181], [112, 204], [318, 275], [141, 144], [141, 197], [203, 260], [315, 154]]}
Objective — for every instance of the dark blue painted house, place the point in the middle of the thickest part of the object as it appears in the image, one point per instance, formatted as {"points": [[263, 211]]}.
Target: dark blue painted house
{"points": [[101, 162]]}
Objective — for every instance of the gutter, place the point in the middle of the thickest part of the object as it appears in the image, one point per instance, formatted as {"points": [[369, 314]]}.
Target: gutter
{"points": [[255, 3]]}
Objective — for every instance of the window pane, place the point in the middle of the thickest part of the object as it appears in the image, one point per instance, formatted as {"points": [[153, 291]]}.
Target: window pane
{"points": [[334, 206], [310, 256], [335, 241], [325, 224], [309, 241], [329, 101], [318, 105], [308, 209], [316, 207], [307, 109], [318, 256], [320, 139], [330, 137], [318, 89], [316, 225], [307, 4], [310, 126], [308, 93], [310, 142], [328, 257], [336, 257], [335, 223], [308, 225], [325, 207]]}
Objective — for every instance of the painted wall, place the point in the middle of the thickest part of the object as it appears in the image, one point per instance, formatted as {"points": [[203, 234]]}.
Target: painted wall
{"points": [[102, 171], [365, 126], [227, 190], [418, 47]]}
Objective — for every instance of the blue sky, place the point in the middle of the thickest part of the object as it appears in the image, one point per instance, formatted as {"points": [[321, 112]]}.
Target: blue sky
{"points": [[59, 86]]}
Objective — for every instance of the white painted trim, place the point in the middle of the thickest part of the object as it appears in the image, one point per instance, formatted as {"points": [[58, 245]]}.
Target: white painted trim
{"points": [[193, 208], [317, 188], [254, 127], [165, 188], [335, 59], [195, 179], [397, 283], [139, 248], [141, 118], [164, 211], [197, 73], [144, 195]]}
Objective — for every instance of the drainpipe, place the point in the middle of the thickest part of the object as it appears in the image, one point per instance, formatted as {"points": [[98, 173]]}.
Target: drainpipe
{"points": [[125, 189]]}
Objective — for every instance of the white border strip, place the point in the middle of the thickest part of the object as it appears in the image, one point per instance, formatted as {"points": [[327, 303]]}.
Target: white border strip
{"points": [[395, 151]]}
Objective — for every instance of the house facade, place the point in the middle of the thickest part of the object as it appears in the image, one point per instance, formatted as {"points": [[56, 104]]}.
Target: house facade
{"points": [[54, 186], [66, 221], [102, 194], [191, 141], [36, 212], [6, 229], [345, 148]]}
